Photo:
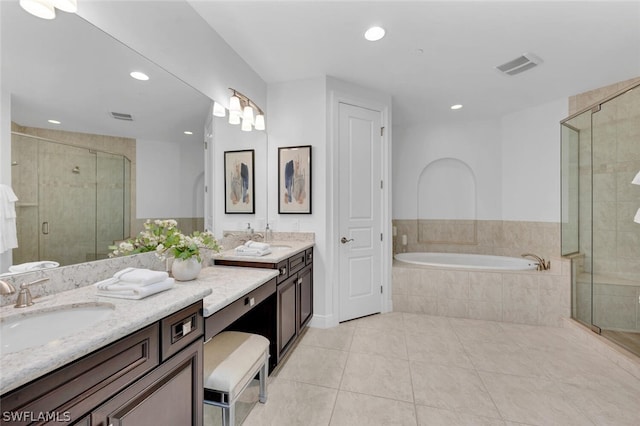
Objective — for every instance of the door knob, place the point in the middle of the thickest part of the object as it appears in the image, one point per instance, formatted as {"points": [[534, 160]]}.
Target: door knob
{"points": [[344, 240]]}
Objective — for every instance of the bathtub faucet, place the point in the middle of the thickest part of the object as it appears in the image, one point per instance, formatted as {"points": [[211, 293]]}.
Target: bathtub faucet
{"points": [[542, 265]]}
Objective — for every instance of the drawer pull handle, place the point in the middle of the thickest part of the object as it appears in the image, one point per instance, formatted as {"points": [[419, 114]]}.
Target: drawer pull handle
{"points": [[249, 301], [299, 281], [283, 270]]}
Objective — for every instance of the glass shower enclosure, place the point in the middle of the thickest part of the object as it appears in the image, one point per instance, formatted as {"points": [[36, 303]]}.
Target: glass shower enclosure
{"points": [[73, 202], [600, 158]]}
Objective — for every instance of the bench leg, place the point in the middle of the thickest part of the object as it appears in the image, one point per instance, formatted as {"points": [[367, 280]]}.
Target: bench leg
{"points": [[264, 374]]}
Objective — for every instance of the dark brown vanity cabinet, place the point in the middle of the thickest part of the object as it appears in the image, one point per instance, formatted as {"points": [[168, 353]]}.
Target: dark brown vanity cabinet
{"points": [[151, 377], [294, 295]]}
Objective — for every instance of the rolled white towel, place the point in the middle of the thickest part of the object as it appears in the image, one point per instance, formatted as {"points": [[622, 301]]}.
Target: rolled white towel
{"points": [[141, 276], [33, 266], [137, 292], [257, 245]]}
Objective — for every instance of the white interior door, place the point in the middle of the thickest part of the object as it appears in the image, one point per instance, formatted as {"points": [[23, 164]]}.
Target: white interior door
{"points": [[360, 211]]}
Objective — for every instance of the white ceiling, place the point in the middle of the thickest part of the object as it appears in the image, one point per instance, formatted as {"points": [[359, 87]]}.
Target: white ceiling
{"points": [[584, 45]]}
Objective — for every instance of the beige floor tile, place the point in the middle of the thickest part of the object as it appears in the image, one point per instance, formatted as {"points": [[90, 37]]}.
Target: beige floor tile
{"points": [[443, 349], [374, 341], [431, 416], [606, 405], [339, 337], [293, 403], [452, 388], [471, 331], [428, 324], [502, 358], [388, 321], [535, 401], [356, 409], [317, 366], [376, 375]]}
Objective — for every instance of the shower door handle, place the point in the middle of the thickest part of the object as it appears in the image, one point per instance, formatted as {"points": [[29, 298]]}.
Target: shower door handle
{"points": [[344, 240], [45, 228]]}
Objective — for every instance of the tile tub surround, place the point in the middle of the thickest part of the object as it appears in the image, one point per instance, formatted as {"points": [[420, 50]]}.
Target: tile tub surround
{"points": [[493, 237], [523, 297]]}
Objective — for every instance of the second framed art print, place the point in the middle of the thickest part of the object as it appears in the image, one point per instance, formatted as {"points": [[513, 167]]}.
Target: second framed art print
{"points": [[294, 179]]}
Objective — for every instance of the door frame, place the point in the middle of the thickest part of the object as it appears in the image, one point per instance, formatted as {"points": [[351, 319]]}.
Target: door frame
{"points": [[377, 102]]}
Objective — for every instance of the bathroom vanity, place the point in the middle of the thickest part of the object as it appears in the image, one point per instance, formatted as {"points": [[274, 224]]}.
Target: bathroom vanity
{"points": [[293, 261], [143, 359]]}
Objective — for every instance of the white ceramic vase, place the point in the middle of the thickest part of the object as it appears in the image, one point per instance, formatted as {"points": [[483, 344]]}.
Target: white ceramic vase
{"points": [[186, 269]]}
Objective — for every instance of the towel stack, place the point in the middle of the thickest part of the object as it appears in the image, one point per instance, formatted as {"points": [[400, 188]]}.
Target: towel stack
{"points": [[135, 283], [33, 266], [252, 248]]}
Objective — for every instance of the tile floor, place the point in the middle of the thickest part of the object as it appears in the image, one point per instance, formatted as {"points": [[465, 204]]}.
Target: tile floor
{"points": [[410, 369]]}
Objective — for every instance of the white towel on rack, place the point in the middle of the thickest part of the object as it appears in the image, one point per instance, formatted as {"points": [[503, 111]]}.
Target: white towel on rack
{"points": [[136, 292], [8, 233]]}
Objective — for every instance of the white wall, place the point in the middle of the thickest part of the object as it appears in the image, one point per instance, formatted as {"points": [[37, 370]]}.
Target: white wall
{"points": [[169, 179], [476, 143], [531, 163], [297, 116], [516, 162]]}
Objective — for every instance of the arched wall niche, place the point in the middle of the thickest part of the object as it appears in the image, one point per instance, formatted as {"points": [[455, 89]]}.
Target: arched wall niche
{"points": [[447, 203]]}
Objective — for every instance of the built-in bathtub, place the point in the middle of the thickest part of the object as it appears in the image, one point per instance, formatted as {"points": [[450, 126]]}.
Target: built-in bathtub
{"points": [[495, 288], [466, 261]]}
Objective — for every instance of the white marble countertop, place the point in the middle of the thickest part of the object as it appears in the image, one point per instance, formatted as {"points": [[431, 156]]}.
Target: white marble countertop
{"points": [[280, 251], [18, 368]]}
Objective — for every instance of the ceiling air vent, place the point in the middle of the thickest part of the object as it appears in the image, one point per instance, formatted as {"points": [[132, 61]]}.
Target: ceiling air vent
{"points": [[520, 64], [122, 116]]}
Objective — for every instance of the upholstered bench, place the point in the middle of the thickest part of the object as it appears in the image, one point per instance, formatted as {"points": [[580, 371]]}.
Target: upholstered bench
{"points": [[231, 360]]}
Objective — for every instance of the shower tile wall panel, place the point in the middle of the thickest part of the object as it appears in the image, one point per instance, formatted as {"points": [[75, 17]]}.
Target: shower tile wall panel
{"points": [[538, 298]]}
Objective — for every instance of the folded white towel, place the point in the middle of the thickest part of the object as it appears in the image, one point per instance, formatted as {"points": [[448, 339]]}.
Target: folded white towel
{"points": [[137, 292], [132, 278], [249, 251], [257, 245], [33, 266]]}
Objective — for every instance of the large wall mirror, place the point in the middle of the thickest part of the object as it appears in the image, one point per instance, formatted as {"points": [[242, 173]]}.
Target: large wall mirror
{"points": [[119, 154]]}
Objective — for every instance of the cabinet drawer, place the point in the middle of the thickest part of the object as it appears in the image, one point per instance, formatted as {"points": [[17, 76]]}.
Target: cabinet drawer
{"points": [[76, 388], [226, 316], [180, 329], [296, 262]]}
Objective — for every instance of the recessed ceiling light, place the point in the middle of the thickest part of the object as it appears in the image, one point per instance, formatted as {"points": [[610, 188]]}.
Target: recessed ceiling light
{"points": [[456, 106], [374, 33], [54, 121], [139, 76], [186, 132]]}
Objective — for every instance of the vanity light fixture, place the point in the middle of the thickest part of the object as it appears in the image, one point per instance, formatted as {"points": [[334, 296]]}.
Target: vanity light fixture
{"points": [[218, 110], [187, 132], [636, 180], [636, 219], [54, 121], [374, 33], [138, 75], [244, 110], [456, 106], [46, 9]]}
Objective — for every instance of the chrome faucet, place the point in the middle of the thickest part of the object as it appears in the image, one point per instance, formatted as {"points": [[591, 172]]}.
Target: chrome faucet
{"points": [[24, 296], [542, 265]]}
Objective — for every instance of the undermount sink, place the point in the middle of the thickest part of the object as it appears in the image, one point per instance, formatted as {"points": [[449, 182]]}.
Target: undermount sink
{"points": [[37, 328]]}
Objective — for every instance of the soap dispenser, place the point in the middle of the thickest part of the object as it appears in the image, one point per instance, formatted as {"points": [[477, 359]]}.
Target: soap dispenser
{"points": [[268, 234], [249, 229]]}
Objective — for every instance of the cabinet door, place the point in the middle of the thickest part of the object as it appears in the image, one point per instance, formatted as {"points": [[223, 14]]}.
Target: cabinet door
{"points": [[286, 314], [170, 395], [305, 296]]}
